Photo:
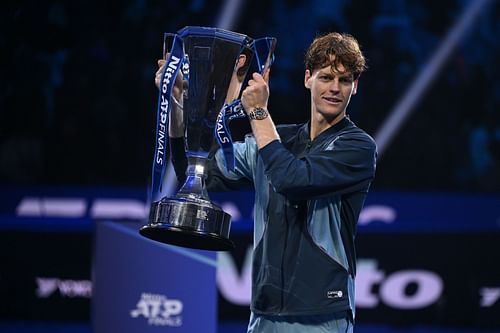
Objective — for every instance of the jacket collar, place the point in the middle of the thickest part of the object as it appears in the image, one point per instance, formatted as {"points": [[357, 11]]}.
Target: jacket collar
{"points": [[306, 128]]}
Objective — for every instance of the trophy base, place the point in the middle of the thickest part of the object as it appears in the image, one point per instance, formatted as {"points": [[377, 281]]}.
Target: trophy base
{"points": [[187, 222]]}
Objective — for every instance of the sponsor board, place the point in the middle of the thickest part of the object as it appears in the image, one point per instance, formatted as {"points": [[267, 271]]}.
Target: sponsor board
{"points": [[416, 262], [39, 208], [412, 275]]}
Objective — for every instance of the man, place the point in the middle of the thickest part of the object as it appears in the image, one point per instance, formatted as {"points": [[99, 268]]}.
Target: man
{"points": [[310, 183]]}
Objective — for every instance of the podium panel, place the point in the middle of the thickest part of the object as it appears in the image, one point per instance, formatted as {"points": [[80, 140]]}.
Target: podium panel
{"points": [[145, 286]]}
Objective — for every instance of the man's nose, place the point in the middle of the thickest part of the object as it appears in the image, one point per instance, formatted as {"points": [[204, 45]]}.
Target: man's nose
{"points": [[334, 85]]}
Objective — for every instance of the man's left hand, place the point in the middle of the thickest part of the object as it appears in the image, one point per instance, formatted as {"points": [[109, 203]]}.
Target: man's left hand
{"points": [[256, 93]]}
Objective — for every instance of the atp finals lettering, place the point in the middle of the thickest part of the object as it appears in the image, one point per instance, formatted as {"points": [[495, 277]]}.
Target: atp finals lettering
{"points": [[162, 126], [159, 310], [233, 110], [221, 133]]}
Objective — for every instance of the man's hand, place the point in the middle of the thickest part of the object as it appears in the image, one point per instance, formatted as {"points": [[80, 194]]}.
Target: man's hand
{"points": [[256, 93], [178, 87], [255, 96]]}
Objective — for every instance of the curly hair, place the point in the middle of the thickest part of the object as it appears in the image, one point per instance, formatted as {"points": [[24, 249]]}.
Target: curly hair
{"points": [[343, 46]]}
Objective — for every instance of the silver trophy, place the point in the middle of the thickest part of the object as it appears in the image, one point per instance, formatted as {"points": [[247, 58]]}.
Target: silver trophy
{"points": [[207, 58]]}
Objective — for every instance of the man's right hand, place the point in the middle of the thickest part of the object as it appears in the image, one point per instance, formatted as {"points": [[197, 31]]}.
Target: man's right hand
{"points": [[178, 87], [161, 65]]}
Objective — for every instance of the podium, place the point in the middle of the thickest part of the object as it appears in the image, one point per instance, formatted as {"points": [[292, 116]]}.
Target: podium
{"points": [[140, 285]]}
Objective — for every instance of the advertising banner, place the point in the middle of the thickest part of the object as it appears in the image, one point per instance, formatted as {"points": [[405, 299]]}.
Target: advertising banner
{"points": [[144, 286], [423, 258]]}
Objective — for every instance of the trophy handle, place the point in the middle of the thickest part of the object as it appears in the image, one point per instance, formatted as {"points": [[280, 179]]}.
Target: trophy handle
{"points": [[168, 42], [264, 52]]}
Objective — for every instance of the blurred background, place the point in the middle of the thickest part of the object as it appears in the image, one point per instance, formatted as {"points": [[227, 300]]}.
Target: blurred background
{"points": [[77, 119]]}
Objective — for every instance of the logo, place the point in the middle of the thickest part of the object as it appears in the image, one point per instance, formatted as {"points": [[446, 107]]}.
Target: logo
{"points": [[170, 73], [158, 310], [67, 288], [334, 294], [489, 296], [185, 65], [373, 213], [99, 208], [393, 288]]}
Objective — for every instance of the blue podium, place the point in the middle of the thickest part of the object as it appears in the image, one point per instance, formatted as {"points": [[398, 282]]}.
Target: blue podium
{"points": [[144, 286]]}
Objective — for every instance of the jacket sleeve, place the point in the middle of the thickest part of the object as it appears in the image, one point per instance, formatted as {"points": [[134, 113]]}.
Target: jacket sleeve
{"points": [[346, 165], [221, 179], [179, 160]]}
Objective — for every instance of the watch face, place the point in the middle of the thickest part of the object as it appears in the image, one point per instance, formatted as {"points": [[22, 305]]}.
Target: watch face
{"points": [[259, 114]]}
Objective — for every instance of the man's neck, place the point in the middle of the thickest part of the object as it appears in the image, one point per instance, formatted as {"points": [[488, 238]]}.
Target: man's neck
{"points": [[319, 124]]}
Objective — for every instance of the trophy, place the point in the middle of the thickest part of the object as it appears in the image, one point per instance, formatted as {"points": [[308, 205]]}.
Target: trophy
{"points": [[207, 58]]}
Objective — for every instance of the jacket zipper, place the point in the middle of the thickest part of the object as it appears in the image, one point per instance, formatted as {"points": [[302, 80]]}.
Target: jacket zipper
{"points": [[285, 245], [283, 264]]}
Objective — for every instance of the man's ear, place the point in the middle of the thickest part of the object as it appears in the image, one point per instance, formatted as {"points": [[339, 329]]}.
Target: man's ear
{"points": [[241, 61], [307, 79], [355, 87]]}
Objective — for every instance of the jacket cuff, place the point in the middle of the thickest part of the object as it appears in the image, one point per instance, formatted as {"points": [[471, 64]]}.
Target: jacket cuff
{"points": [[270, 150]]}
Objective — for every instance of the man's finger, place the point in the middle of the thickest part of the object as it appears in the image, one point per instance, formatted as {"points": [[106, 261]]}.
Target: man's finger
{"points": [[260, 79], [266, 75], [257, 77]]}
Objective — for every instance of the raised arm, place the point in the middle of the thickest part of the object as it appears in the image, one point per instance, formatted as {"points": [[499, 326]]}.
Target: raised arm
{"points": [[346, 165]]}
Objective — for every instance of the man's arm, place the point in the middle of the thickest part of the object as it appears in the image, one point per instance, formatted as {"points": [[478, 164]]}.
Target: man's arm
{"points": [[348, 165], [176, 120], [175, 124], [256, 95], [245, 157]]}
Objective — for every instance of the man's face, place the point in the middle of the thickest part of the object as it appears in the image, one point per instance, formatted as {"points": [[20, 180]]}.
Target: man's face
{"points": [[331, 90]]}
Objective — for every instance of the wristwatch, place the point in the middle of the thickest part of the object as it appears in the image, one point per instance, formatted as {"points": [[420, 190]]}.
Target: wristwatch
{"points": [[258, 114]]}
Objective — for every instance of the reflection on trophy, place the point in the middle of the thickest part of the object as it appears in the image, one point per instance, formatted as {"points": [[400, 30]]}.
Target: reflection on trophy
{"points": [[208, 59]]}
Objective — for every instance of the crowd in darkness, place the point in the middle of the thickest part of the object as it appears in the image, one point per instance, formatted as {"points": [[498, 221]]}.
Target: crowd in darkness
{"points": [[78, 103]]}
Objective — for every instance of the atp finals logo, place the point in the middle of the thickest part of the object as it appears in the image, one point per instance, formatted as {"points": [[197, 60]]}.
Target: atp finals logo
{"points": [[158, 310]]}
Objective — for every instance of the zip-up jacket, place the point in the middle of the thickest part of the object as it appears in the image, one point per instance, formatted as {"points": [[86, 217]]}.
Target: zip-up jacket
{"points": [[308, 196]]}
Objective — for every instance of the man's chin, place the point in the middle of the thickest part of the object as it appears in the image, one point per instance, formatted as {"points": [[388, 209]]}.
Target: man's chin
{"points": [[332, 117]]}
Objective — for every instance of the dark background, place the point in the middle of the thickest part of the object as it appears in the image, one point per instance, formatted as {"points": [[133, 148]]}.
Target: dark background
{"points": [[78, 103], [78, 111]]}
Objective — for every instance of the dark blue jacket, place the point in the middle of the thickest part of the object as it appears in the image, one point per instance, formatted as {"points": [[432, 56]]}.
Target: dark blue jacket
{"points": [[308, 196]]}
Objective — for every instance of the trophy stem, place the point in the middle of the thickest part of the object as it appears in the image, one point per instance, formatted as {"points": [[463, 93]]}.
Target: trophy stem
{"points": [[190, 219], [194, 186]]}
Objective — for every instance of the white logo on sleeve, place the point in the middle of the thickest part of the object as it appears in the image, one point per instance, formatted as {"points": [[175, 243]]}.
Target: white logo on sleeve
{"points": [[334, 294]]}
